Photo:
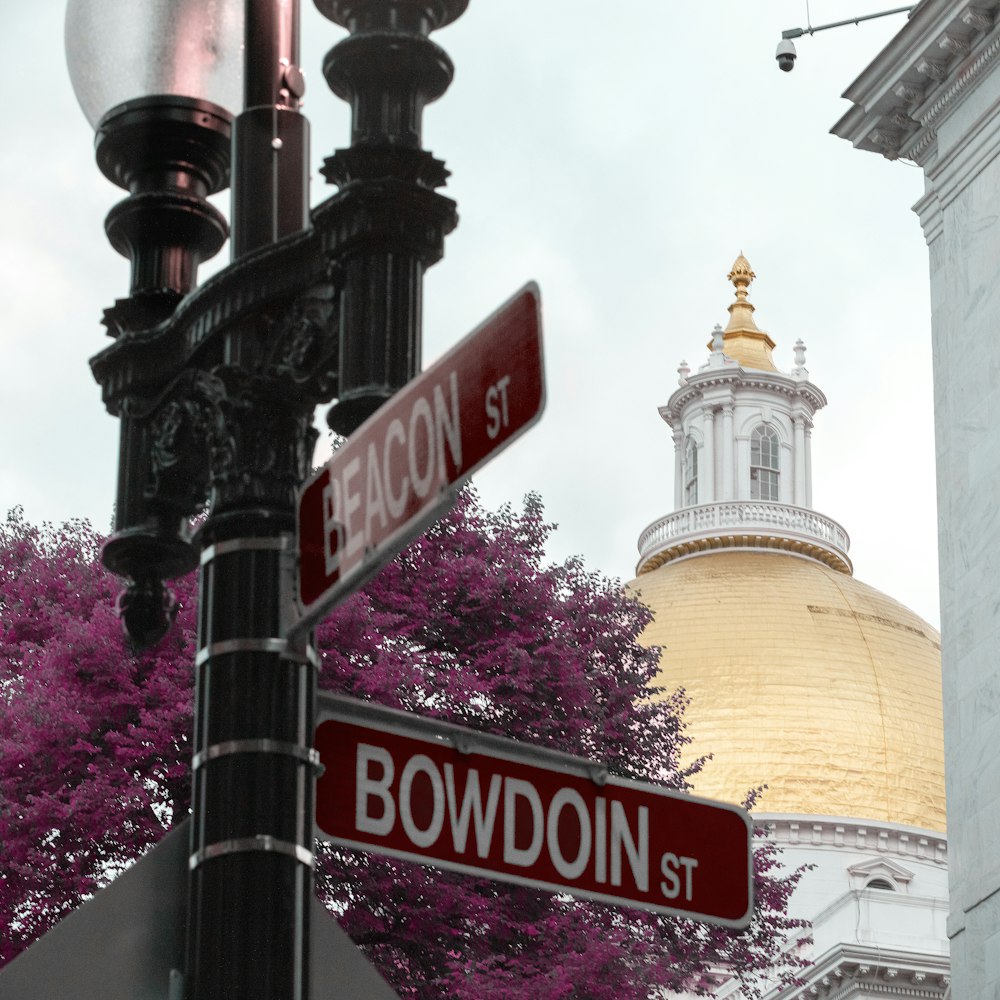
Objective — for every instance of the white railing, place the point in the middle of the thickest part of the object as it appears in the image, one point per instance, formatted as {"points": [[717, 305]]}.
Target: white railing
{"points": [[743, 517]]}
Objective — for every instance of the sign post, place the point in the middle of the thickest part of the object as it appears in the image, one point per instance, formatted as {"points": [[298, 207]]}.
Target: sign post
{"points": [[402, 468], [471, 802]]}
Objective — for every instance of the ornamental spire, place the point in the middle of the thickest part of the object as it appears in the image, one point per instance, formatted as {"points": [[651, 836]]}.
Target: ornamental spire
{"points": [[741, 311], [743, 341]]}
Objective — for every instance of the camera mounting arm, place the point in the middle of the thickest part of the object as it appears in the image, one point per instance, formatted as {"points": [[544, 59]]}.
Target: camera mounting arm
{"points": [[786, 53]]}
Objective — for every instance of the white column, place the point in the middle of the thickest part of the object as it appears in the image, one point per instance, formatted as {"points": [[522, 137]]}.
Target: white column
{"points": [[809, 467], [706, 469], [743, 469], [727, 452], [678, 468], [786, 473], [799, 461]]}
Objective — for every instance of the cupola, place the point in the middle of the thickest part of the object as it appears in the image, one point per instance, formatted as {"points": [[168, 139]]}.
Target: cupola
{"points": [[742, 433]]}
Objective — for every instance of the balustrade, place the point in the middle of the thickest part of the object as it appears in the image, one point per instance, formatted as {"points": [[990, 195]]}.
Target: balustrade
{"points": [[747, 518]]}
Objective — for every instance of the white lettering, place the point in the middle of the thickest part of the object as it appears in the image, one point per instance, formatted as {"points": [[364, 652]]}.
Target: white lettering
{"points": [[514, 788], [670, 865], [492, 412], [600, 839], [416, 764], [449, 428], [374, 496], [397, 503], [689, 866], [352, 501], [333, 528], [502, 389], [366, 788], [568, 797], [498, 416], [421, 483], [638, 853], [472, 805], [668, 869]]}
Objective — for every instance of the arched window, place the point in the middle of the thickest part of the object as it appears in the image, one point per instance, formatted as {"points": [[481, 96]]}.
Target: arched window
{"points": [[690, 472], [881, 883], [763, 463]]}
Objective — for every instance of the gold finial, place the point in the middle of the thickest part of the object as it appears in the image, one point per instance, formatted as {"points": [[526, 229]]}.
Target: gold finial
{"points": [[741, 311], [741, 274], [742, 340]]}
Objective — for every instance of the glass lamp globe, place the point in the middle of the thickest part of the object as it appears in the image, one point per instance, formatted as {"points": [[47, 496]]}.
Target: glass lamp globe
{"points": [[121, 50]]}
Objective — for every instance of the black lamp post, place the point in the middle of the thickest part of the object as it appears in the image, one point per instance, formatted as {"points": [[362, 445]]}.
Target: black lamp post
{"points": [[215, 387]]}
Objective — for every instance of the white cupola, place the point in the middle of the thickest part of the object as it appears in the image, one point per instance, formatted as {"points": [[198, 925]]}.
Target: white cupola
{"points": [[742, 433]]}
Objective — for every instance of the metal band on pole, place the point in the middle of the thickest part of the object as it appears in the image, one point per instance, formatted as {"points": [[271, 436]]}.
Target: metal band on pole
{"points": [[243, 845], [285, 748], [265, 544], [283, 647]]}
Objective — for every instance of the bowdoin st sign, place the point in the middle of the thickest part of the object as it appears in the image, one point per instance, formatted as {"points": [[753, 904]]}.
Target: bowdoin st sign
{"points": [[402, 468], [470, 802]]}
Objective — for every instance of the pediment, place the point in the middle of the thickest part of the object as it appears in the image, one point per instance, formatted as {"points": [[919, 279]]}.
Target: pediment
{"points": [[879, 868]]}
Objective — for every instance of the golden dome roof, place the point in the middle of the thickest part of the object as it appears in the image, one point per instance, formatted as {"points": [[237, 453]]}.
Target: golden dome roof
{"points": [[742, 340], [803, 679]]}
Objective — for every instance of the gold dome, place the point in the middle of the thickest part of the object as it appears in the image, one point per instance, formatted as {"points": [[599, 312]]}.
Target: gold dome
{"points": [[742, 340], [804, 679]]}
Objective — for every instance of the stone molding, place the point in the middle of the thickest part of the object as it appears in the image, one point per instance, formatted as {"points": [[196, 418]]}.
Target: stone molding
{"points": [[955, 167], [695, 386], [889, 840], [942, 104], [896, 874], [848, 971]]}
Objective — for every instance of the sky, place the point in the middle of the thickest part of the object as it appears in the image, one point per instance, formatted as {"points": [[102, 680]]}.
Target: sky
{"points": [[621, 156]]}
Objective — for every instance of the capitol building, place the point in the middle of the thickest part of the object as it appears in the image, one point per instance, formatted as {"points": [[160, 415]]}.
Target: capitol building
{"points": [[801, 677]]}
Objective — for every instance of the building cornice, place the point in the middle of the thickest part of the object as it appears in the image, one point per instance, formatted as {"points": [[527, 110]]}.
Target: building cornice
{"points": [[852, 970], [941, 102], [837, 832], [924, 72], [700, 385]]}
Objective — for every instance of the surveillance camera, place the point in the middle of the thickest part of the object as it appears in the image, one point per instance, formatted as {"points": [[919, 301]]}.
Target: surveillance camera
{"points": [[785, 55]]}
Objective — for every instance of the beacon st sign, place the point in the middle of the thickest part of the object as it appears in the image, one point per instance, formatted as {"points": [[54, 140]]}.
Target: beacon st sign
{"points": [[471, 802], [402, 468]]}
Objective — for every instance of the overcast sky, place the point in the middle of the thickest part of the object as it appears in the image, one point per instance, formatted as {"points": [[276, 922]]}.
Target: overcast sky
{"points": [[621, 155]]}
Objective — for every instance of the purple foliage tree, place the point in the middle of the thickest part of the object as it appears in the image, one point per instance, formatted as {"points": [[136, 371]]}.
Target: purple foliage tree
{"points": [[468, 624]]}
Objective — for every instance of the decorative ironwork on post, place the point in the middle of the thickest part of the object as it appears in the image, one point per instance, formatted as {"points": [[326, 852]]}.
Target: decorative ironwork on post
{"points": [[216, 386], [392, 222]]}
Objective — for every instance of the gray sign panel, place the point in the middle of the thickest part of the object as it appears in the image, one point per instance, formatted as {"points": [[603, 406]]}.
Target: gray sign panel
{"points": [[123, 943]]}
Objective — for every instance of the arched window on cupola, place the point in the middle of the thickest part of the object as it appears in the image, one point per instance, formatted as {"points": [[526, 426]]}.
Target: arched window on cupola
{"points": [[764, 468], [690, 472]]}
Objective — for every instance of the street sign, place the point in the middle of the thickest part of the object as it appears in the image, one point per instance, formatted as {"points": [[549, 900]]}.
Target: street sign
{"points": [[442, 795], [127, 943], [402, 468]]}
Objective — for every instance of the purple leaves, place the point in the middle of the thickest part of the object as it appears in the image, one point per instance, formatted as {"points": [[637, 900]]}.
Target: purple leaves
{"points": [[468, 624]]}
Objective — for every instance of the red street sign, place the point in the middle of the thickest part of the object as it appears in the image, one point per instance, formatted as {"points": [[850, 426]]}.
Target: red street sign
{"points": [[401, 469], [470, 802]]}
